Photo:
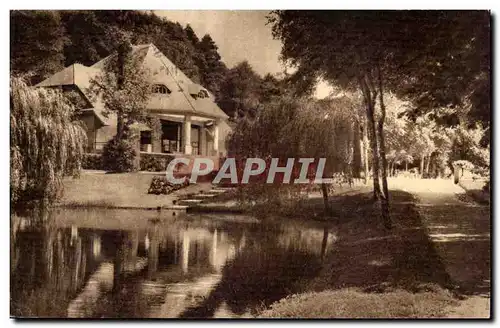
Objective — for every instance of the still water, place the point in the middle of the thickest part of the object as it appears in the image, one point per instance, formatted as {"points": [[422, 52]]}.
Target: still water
{"points": [[143, 264]]}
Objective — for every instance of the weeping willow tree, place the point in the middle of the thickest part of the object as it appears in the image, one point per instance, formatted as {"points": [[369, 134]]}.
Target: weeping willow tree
{"points": [[46, 143], [300, 128]]}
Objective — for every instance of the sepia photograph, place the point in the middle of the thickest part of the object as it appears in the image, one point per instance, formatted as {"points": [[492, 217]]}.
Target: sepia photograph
{"points": [[250, 164]]}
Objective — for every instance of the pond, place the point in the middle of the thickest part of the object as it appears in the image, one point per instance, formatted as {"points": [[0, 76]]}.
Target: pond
{"points": [[95, 263]]}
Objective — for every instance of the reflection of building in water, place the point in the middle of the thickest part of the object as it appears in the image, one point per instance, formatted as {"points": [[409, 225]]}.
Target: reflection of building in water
{"points": [[75, 267], [185, 251]]}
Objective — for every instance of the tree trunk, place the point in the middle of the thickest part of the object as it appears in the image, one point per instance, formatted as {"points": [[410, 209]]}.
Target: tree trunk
{"points": [[120, 126], [324, 191], [428, 165], [369, 98], [324, 243], [365, 151], [456, 175], [120, 123], [406, 165], [356, 153], [422, 160], [381, 121]]}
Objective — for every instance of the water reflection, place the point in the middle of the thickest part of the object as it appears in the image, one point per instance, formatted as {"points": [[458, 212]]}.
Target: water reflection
{"points": [[89, 263]]}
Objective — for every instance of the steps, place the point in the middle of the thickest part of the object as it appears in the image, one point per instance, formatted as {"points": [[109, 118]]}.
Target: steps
{"points": [[188, 202], [199, 198]]}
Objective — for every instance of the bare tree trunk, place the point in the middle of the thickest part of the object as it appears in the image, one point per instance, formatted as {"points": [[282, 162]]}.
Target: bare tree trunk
{"points": [[365, 150], [357, 151], [381, 121], [369, 100], [324, 191], [406, 165], [422, 160], [120, 122], [428, 165]]}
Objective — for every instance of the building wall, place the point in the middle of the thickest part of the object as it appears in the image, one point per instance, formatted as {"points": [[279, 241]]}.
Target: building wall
{"points": [[106, 133], [89, 120]]}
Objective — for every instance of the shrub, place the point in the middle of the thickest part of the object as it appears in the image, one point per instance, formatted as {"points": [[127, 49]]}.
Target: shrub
{"points": [[92, 162], [154, 162], [161, 186], [118, 156]]}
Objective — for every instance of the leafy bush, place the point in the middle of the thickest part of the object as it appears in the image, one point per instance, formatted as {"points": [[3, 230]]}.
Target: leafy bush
{"points": [[92, 162], [154, 162], [118, 156], [161, 186]]}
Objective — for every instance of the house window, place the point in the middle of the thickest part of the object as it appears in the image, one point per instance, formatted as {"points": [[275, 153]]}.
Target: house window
{"points": [[160, 88], [146, 141]]}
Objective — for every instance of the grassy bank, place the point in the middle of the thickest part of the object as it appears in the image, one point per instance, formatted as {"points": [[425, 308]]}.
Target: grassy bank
{"points": [[275, 202], [353, 303], [121, 190]]}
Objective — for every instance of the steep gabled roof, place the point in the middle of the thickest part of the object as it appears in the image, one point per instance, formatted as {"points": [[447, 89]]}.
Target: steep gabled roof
{"points": [[80, 76], [76, 74], [165, 72], [162, 70]]}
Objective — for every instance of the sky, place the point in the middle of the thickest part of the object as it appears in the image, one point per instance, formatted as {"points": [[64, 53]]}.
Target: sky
{"points": [[240, 35]]}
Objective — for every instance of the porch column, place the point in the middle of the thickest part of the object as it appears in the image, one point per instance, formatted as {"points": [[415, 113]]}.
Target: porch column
{"points": [[203, 140], [187, 134], [179, 139], [216, 138]]}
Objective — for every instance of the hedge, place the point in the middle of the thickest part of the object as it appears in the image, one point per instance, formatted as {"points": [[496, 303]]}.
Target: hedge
{"points": [[155, 162], [92, 161]]}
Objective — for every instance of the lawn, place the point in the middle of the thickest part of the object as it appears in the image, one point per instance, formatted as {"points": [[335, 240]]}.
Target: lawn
{"points": [[120, 190]]}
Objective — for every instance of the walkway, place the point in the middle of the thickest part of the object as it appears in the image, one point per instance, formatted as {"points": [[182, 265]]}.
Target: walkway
{"points": [[460, 232]]}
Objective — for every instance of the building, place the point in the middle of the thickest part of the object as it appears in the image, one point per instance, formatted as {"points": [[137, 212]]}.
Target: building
{"points": [[191, 121]]}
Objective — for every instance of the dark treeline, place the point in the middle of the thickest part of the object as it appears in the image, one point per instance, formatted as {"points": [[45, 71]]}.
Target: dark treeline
{"points": [[43, 42]]}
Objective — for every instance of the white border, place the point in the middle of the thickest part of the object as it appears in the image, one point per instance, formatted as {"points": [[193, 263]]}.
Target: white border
{"points": [[185, 4]]}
